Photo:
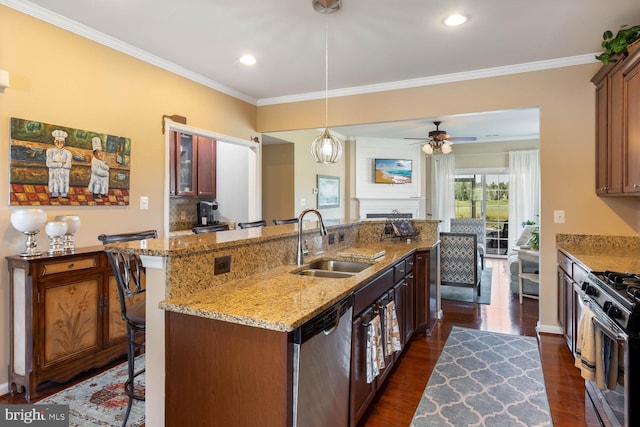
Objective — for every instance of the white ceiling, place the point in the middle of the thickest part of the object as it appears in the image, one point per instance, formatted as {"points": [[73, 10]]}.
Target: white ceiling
{"points": [[373, 44]]}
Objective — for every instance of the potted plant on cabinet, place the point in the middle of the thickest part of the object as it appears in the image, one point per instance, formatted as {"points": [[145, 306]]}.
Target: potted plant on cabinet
{"points": [[615, 46]]}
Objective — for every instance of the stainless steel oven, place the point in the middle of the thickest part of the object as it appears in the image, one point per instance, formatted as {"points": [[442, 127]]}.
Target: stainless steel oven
{"points": [[615, 316]]}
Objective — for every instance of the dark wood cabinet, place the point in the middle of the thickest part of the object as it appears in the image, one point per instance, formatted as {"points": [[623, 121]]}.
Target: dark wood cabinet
{"points": [[361, 392], [425, 274], [192, 165], [570, 278], [631, 124], [618, 127], [64, 318]]}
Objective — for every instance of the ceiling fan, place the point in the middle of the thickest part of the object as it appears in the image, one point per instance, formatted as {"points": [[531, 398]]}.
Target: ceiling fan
{"points": [[440, 140]]}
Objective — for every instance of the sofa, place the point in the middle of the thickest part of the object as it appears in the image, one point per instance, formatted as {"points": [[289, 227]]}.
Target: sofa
{"points": [[528, 287]]}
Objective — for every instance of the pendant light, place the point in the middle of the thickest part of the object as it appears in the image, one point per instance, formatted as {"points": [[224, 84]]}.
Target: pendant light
{"points": [[326, 148]]}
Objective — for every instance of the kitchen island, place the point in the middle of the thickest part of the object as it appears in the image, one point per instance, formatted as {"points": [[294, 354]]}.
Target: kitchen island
{"points": [[228, 346]]}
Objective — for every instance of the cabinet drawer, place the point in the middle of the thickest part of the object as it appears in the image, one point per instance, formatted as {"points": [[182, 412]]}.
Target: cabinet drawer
{"points": [[67, 266], [399, 271], [565, 263], [410, 263], [371, 292]]}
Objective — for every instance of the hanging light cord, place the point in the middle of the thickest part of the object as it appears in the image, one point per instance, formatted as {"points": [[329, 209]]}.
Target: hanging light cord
{"points": [[326, 70]]}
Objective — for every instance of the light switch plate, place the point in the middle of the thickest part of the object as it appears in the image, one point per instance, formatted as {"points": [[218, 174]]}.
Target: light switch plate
{"points": [[558, 217], [144, 203]]}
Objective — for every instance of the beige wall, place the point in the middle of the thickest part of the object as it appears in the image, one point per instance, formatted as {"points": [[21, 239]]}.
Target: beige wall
{"points": [[58, 77], [567, 139], [278, 177]]}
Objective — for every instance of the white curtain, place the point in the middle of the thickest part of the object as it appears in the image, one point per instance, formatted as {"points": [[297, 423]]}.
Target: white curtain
{"points": [[443, 191], [524, 190]]}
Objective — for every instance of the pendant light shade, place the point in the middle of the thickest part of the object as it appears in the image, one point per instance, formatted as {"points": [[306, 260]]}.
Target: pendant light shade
{"points": [[326, 148]]}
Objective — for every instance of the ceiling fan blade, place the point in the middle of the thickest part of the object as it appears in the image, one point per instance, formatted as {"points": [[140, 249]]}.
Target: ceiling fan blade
{"points": [[420, 139], [463, 138]]}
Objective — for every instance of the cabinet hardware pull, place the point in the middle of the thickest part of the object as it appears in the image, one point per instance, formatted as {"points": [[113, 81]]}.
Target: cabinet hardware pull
{"points": [[71, 266], [636, 185]]}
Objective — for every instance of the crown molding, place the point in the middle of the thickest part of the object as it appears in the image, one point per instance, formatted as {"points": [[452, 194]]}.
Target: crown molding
{"points": [[435, 80]]}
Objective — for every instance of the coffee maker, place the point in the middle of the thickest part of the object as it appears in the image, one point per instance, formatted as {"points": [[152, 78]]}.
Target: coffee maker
{"points": [[208, 212]]}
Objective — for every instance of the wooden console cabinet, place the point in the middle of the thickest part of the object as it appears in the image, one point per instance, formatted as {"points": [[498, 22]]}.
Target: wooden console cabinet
{"points": [[64, 318]]}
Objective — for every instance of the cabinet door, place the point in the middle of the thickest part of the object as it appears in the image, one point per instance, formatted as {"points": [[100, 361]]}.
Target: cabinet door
{"points": [[421, 268], [602, 136], [186, 158], [206, 172], [399, 295], [409, 307], [631, 138], [70, 320], [361, 392]]}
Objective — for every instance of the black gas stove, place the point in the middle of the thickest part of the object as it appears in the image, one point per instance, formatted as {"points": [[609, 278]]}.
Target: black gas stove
{"points": [[618, 294]]}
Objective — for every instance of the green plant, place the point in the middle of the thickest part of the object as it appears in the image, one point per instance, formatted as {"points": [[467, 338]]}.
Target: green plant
{"points": [[534, 242], [617, 45]]}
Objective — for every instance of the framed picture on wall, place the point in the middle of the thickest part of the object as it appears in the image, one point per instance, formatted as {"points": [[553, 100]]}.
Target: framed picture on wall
{"points": [[392, 171], [328, 191]]}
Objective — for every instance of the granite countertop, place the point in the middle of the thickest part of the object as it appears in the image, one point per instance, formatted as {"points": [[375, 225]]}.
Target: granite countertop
{"points": [[281, 301], [609, 254]]}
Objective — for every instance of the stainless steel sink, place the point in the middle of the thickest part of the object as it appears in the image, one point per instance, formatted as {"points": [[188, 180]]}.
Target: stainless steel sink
{"points": [[339, 266], [324, 273]]}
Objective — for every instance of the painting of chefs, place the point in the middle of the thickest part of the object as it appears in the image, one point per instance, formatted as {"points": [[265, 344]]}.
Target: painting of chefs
{"points": [[59, 164], [99, 182]]}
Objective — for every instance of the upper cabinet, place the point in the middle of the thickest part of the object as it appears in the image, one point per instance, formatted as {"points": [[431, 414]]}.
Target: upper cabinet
{"points": [[192, 165], [618, 127]]}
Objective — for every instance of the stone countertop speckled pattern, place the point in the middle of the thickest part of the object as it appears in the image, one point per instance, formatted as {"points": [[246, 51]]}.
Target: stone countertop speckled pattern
{"points": [[605, 253], [279, 300], [179, 245]]}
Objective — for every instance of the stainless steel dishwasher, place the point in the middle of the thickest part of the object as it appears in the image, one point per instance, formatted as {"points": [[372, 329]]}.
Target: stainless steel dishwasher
{"points": [[321, 368]]}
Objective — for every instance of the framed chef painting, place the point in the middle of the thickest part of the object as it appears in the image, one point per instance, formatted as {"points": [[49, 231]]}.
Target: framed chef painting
{"points": [[61, 166]]}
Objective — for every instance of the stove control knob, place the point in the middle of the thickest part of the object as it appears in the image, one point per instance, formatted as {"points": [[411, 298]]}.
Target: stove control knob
{"points": [[615, 313], [590, 290]]}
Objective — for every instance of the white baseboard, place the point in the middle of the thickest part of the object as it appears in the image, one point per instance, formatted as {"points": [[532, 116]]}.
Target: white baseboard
{"points": [[549, 329]]}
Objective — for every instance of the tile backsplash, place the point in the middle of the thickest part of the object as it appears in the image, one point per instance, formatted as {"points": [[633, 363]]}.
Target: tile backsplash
{"points": [[182, 214]]}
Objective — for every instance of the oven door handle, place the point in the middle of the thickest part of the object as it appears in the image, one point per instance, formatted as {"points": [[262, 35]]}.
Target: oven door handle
{"points": [[616, 336]]}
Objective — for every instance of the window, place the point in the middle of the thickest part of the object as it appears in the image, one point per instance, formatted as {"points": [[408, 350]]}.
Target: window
{"points": [[486, 196]]}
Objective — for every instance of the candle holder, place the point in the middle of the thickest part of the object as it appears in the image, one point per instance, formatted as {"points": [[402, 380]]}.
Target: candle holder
{"points": [[55, 230], [29, 222], [73, 225]]}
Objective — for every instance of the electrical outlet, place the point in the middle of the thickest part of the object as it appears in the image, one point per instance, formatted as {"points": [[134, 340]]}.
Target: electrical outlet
{"points": [[341, 237], [183, 215], [558, 217], [222, 264], [332, 238], [144, 203]]}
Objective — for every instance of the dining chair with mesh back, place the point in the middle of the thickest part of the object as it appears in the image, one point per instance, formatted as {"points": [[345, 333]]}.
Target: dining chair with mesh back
{"points": [[129, 275], [210, 228], [261, 223], [285, 221]]}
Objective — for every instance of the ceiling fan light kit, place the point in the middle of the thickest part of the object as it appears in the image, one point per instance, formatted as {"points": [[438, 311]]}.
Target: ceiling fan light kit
{"points": [[326, 148]]}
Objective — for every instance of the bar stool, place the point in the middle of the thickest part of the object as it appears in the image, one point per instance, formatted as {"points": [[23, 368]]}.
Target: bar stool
{"points": [[260, 223], [129, 274], [285, 221]]}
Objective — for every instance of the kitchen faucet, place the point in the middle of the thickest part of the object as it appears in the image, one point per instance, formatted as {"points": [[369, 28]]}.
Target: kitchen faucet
{"points": [[323, 232]]}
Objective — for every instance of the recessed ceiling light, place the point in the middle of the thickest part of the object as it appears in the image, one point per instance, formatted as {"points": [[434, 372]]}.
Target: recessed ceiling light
{"points": [[455, 20], [248, 59]]}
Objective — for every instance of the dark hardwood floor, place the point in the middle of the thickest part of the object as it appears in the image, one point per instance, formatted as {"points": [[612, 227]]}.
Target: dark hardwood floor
{"points": [[404, 387]]}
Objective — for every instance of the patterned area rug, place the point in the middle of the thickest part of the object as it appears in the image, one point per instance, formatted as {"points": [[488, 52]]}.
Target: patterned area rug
{"points": [[485, 379], [100, 400], [460, 293]]}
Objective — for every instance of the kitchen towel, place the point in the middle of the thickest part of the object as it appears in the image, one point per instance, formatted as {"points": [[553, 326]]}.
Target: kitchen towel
{"points": [[392, 329], [585, 344], [373, 342]]}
